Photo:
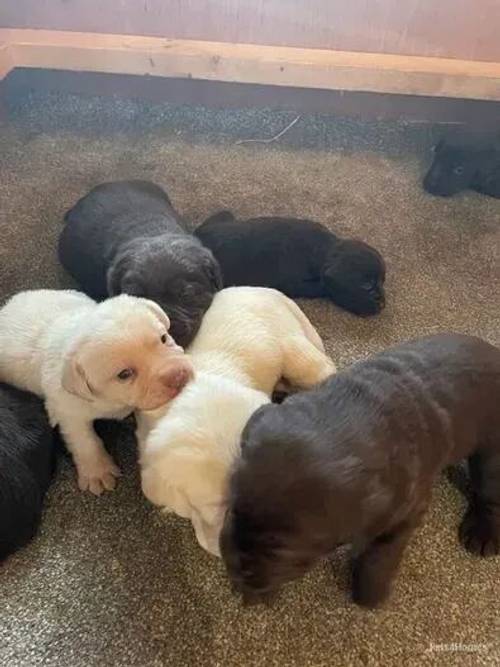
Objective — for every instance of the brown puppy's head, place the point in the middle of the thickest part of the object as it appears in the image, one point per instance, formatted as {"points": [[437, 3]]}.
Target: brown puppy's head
{"points": [[124, 355], [280, 519], [354, 277], [175, 271]]}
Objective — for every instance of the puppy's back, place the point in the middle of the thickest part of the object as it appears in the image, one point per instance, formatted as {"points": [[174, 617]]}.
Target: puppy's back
{"points": [[26, 466], [108, 216], [25, 321], [282, 253], [248, 327], [243, 316]]}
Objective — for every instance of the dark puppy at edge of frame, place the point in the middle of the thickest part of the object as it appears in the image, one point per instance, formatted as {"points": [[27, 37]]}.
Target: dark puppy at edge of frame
{"points": [[126, 237], [27, 461], [354, 461], [300, 258], [465, 162]]}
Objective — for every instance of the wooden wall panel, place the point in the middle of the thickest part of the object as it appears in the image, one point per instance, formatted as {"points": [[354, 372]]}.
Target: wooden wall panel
{"points": [[464, 29]]}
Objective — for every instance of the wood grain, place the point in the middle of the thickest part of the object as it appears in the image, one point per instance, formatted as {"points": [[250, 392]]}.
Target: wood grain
{"points": [[246, 63], [463, 29]]}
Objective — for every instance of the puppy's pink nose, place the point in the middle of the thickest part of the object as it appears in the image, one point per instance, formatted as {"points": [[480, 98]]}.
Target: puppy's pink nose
{"points": [[177, 379]]}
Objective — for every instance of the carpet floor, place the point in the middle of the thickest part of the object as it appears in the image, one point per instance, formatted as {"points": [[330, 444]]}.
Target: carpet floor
{"points": [[112, 581]]}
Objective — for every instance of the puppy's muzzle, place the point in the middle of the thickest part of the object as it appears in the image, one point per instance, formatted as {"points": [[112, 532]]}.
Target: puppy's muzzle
{"points": [[176, 379]]}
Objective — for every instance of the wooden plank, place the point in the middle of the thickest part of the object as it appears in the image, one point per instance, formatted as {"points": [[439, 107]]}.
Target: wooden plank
{"points": [[244, 63], [465, 29]]}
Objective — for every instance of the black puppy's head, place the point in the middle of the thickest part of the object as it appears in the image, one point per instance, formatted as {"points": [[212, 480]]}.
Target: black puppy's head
{"points": [[354, 277], [454, 168], [462, 162], [176, 272], [278, 523]]}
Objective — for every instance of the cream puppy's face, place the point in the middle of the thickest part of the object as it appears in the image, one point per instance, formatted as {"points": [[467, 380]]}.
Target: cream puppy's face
{"points": [[125, 355], [186, 458], [198, 491]]}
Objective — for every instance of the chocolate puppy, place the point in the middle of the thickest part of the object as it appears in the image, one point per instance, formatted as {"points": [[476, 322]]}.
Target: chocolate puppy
{"points": [[354, 461], [465, 163], [27, 457], [301, 258], [126, 237]]}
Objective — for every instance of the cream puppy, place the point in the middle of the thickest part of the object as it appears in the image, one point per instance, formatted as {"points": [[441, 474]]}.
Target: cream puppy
{"points": [[250, 338], [90, 361]]}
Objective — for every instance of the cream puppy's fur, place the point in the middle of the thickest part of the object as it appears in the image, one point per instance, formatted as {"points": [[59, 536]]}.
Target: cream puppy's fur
{"points": [[250, 338], [90, 361]]}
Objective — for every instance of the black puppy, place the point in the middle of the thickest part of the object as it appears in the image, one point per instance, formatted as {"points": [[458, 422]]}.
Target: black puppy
{"points": [[465, 163], [354, 461], [301, 258], [27, 457], [126, 237]]}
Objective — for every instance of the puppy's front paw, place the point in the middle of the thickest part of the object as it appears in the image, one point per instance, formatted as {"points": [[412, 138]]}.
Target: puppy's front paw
{"points": [[369, 589], [480, 532], [98, 476], [368, 596]]}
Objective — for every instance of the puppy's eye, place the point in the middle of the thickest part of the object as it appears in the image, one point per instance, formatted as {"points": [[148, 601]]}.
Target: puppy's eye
{"points": [[369, 285], [164, 338], [125, 374], [458, 171]]}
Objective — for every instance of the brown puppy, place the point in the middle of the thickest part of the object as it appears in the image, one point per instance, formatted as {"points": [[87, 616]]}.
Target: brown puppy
{"points": [[354, 461]]}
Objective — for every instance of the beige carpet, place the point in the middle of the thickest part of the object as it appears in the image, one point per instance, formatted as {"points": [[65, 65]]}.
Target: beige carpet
{"points": [[110, 581]]}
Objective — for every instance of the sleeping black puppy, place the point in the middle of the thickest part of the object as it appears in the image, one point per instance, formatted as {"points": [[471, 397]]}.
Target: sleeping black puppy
{"points": [[126, 237], [27, 457], [465, 163], [301, 258], [354, 461]]}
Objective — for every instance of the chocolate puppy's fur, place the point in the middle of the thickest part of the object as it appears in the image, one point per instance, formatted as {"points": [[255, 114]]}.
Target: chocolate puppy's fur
{"points": [[301, 258], [27, 457], [462, 163], [126, 237], [354, 461]]}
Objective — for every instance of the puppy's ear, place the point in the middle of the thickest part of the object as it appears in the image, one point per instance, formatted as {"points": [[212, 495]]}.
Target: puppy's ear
{"points": [[121, 279], [157, 311], [207, 522], [114, 278], [74, 380], [220, 216], [213, 271], [251, 423]]}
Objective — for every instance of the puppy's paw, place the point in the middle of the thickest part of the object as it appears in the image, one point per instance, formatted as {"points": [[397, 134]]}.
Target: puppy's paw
{"points": [[98, 476], [369, 597], [367, 590], [480, 533]]}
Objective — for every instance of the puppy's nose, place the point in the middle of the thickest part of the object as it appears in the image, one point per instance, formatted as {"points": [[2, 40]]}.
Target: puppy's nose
{"points": [[177, 378]]}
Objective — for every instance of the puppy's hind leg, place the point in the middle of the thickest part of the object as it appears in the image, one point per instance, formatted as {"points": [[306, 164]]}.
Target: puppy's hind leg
{"points": [[480, 528], [96, 469], [304, 365]]}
